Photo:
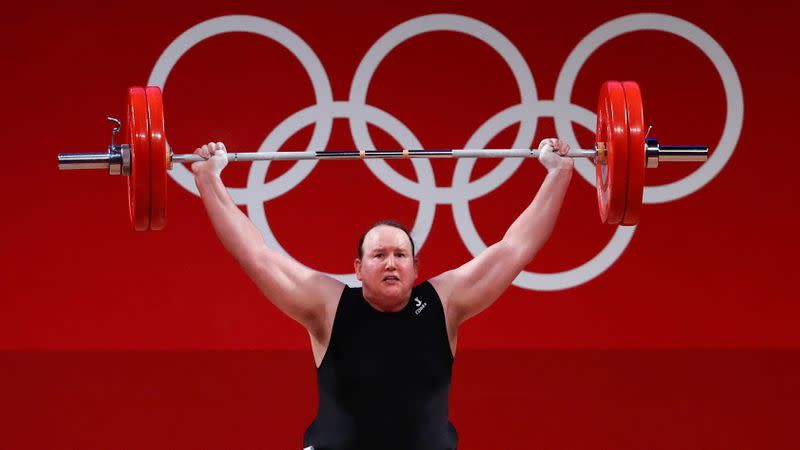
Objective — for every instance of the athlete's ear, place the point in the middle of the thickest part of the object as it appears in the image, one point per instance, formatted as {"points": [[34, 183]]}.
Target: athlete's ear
{"points": [[357, 268]]}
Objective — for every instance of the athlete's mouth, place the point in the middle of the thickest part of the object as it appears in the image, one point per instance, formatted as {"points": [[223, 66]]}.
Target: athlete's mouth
{"points": [[391, 278]]}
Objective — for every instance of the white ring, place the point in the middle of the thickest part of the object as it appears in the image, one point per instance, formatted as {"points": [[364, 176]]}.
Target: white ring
{"points": [[710, 47], [268, 29], [305, 117], [425, 24]]}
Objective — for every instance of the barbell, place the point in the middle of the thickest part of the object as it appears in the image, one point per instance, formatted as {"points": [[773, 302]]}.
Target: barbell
{"points": [[621, 154]]}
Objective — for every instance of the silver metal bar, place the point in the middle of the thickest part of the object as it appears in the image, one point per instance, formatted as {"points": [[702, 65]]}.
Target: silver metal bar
{"points": [[117, 161], [383, 154], [115, 158]]}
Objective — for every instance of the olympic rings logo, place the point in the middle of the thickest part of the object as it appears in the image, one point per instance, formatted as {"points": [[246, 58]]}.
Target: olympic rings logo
{"points": [[526, 113]]}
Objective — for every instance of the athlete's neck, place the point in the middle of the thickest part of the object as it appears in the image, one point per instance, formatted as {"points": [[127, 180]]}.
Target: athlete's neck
{"points": [[388, 305]]}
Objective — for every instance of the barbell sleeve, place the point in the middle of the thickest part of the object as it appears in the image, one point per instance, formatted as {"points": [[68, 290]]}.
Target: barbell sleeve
{"points": [[656, 153], [76, 161]]}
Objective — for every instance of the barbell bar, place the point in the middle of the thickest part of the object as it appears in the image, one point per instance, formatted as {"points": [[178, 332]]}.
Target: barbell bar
{"points": [[621, 154]]}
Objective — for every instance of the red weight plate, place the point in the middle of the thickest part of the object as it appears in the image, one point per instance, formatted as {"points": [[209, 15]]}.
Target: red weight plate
{"points": [[637, 161], [612, 129], [159, 159], [139, 179]]}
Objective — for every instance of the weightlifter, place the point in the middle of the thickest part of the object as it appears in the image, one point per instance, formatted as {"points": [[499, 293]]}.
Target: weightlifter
{"points": [[384, 351]]}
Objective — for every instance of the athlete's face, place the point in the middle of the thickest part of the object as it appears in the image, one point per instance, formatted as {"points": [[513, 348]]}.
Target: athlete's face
{"points": [[387, 268]]}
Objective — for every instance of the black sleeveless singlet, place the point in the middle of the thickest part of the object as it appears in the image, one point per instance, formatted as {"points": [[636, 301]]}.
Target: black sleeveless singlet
{"points": [[384, 381]]}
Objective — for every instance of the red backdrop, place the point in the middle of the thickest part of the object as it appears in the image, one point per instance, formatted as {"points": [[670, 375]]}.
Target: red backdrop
{"points": [[709, 267]]}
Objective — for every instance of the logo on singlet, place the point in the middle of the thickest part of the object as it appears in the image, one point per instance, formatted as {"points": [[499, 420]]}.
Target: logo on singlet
{"points": [[420, 305]]}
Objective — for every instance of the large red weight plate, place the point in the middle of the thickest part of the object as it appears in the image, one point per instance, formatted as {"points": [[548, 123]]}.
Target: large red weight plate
{"points": [[637, 161], [159, 159], [139, 179], [612, 129]]}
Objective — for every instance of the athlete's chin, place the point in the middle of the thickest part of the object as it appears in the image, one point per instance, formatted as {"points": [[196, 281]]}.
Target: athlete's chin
{"points": [[395, 290]]}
